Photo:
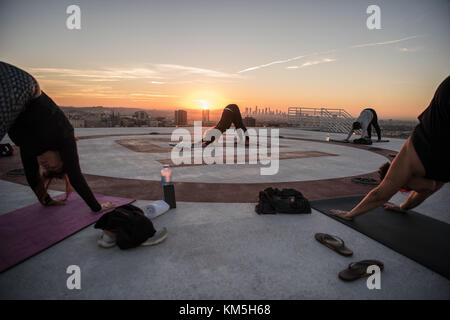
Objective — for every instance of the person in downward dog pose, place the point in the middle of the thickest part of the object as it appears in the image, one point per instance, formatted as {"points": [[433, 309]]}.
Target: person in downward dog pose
{"points": [[230, 115], [367, 118], [421, 166], [45, 136]]}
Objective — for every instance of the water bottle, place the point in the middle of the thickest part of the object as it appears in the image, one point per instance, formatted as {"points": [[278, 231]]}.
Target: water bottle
{"points": [[166, 175], [168, 187], [328, 137]]}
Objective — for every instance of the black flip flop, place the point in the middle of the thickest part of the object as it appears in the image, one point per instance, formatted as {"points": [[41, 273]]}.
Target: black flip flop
{"points": [[334, 243], [358, 270]]}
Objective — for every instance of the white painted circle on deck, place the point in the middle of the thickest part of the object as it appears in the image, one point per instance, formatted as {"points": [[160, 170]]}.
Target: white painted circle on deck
{"points": [[105, 157]]}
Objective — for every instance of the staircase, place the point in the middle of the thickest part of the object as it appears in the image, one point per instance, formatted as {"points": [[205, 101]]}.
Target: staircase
{"points": [[320, 119]]}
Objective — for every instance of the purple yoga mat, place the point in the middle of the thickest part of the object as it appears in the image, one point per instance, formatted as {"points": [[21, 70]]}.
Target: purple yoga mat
{"points": [[28, 231]]}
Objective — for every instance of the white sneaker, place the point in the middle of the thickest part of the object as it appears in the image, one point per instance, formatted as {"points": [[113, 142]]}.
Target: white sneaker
{"points": [[106, 240], [157, 238]]}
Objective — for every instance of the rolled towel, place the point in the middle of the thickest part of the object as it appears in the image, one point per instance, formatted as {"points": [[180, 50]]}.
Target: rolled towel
{"points": [[156, 208]]}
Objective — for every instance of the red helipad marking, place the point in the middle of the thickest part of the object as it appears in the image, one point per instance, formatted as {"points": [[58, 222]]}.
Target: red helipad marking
{"points": [[143, 145], [208, 192]]}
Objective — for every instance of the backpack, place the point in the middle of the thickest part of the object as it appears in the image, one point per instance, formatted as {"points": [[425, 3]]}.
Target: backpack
{"points": [[363, 141], [6, 150], [130, 225], [272, 201]]}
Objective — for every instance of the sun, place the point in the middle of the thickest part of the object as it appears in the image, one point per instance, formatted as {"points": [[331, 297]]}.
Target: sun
{"points": [[204, 104], [205, 99]]}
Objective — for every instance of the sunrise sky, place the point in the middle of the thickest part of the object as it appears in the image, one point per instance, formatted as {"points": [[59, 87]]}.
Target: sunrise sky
{"points": [[179, 54]]}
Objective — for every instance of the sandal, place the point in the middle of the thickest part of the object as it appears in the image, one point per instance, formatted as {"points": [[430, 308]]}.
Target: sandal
{"points": [[357, 270], [157, 238], [334, 243]]}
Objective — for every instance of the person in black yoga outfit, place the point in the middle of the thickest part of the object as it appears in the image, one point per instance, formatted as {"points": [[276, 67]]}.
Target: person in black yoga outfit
{"points": [[45, 136], [367, 118], [421, 166], [230, 115]]}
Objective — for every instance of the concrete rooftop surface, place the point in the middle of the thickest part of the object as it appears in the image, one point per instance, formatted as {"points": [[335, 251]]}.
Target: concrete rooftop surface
{"points": [[218, 247]]}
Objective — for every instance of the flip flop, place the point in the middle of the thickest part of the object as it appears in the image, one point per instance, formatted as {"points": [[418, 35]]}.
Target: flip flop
{"points": [[357, 270], [334, 243], [157, 238]]}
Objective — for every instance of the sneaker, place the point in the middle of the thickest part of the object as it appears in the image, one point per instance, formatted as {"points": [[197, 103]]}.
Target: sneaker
{"points": [[106, 240], [157, 238]]}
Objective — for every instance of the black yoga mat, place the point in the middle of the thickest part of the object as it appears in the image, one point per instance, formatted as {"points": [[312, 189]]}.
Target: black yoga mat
{"points": [[418, 237]]}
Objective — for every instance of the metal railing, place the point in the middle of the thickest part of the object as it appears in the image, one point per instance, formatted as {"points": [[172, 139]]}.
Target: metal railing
{"points": [[320, 119]]}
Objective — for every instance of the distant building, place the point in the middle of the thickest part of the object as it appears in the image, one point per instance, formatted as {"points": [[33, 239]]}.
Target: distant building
{"points": [[180, 117], [249, 121], [154, 123], [78, 123], [141, 115], [141, 118], [205, 115]]}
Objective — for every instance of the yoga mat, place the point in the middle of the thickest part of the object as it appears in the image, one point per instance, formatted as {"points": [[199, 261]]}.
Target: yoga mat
{"points": [[30, 230], [416, 236], [343, 141]]}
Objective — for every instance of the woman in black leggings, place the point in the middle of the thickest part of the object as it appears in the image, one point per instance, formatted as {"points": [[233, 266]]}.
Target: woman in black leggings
{"points": [[230, 115], [44, 134]]}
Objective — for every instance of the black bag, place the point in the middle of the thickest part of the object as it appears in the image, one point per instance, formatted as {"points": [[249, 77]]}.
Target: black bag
{"points": [[272, 201], [6, 150], [129, 224], [363, 141]]}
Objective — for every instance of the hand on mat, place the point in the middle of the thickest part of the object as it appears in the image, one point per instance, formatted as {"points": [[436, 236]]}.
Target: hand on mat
{"points": [[56, 202], [394, 207], [107, 205], [341, 214]]}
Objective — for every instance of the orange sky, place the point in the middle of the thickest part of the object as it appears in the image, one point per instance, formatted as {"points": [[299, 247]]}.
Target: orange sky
{"points": [[277, 54]]}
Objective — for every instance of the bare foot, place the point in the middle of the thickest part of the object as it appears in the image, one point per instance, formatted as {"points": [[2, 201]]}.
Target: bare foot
{"points": [[107, 205], [394, 207], [341, 214]]}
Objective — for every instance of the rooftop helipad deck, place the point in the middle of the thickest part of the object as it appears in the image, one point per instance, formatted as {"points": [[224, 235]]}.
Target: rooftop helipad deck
{"points": [[218, 247]]}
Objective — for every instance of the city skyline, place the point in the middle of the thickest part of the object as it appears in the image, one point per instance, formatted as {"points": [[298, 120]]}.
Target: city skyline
{"points": [[172, 55]]}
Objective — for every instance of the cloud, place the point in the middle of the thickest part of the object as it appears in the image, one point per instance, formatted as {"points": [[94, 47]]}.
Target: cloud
{"points": [[108, 74], [284, 61], [155, 73], [153, 95], [270, 64], [312, 63], [383, 43], [290, 60], [187, 70], [409, 49], [261, 66]]}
